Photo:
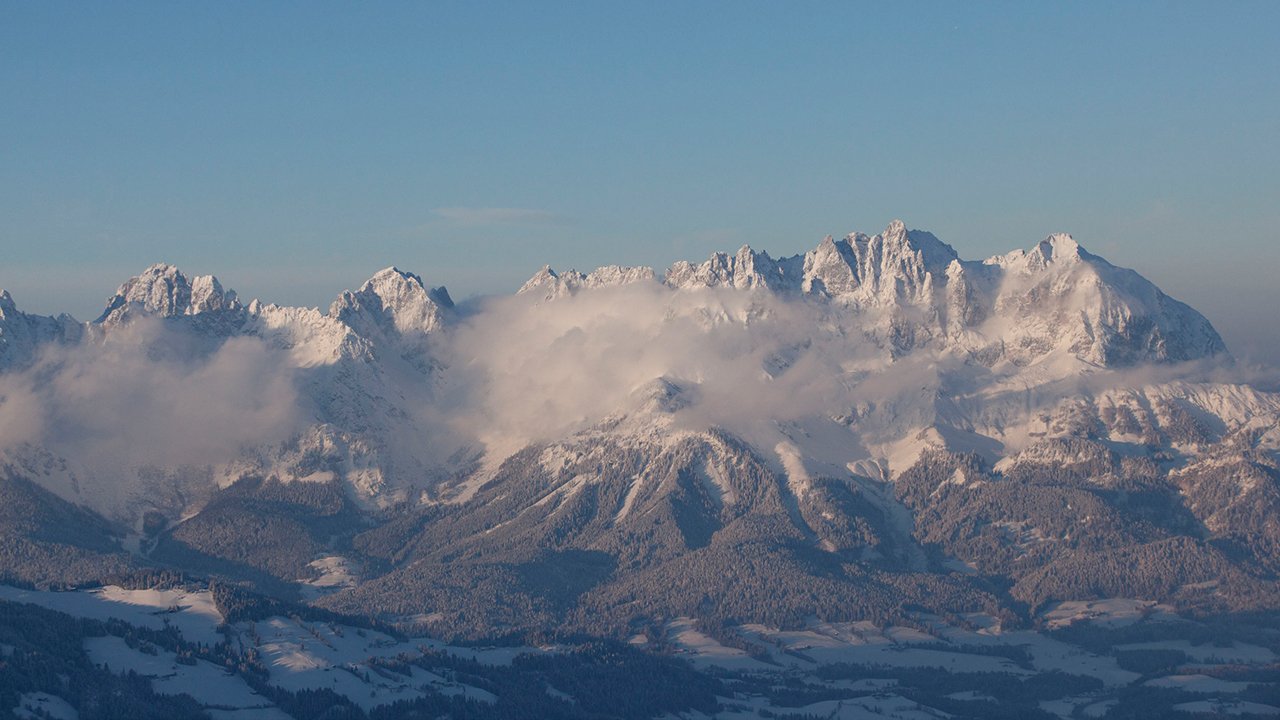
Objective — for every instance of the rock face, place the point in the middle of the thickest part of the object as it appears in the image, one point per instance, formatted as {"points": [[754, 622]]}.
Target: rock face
{"points": [[393, 302]]}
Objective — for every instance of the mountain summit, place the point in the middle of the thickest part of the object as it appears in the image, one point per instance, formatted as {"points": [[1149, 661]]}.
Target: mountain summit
{"points": [[163, 290]]}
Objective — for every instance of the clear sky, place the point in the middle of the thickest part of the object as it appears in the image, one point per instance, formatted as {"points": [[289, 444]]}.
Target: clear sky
{"points": [[294, 149]]}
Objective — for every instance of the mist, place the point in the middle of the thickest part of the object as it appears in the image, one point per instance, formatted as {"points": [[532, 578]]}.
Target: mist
{"points": [[536, 370], [147, 395]]}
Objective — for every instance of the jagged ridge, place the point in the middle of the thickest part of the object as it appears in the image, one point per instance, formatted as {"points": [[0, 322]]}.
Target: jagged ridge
{"points": [[917, 292]]}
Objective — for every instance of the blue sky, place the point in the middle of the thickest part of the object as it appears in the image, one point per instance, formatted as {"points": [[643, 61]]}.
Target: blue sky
{"points": [[294, 149]]}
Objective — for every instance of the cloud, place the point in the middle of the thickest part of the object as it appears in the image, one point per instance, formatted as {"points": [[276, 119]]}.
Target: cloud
{"points": [[530, 370], [527, 370], [148, 398], [482, 216]]}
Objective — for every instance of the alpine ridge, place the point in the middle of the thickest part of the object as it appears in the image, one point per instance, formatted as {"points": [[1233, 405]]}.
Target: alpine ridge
{"points": [[1075, 301]]}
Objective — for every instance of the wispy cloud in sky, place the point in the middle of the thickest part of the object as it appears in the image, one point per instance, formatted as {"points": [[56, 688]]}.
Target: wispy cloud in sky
{"points": [[478, 216]]}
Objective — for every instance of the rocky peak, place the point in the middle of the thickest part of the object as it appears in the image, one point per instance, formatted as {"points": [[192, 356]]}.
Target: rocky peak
{"points": [[660, 395], [899, 252], [21, 334], [393, 299], [935, 254], [755, 269], [163, 290], [7, 307], [207, 295], [544, 278], [743, 270], [831, 268], [1057, 248], [551, 284]]}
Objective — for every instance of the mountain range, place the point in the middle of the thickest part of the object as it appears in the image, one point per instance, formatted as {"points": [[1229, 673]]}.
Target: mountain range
{"points": [[872, 430]]}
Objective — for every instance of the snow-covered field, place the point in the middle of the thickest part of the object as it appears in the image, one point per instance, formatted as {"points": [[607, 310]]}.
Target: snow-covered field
{"points": [[43, 705], [1112, 612], [300, 654], [336, 573], [209, 684], [863, 643], [884, 706], [946, 647], [1211, 654], [1229, 707], [305, 655], [192, 613], [1198, 684]]}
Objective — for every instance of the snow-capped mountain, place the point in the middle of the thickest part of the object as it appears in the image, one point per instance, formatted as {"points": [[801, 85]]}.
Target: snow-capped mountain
{"points": [[917, 292], [356, 374], [873, 417], [370, 371], [163, 291]]}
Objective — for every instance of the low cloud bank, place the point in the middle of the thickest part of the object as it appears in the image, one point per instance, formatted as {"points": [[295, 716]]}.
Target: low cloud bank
{"points": [[147, 395], [537, 370]]}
